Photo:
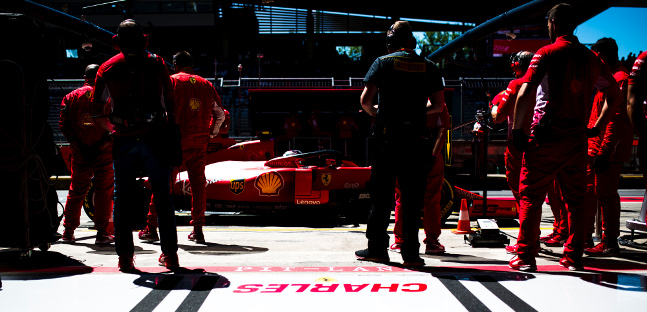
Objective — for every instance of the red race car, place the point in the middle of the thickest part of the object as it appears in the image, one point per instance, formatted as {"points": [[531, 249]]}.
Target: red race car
{"points": [[297, 181], [246, 178]]}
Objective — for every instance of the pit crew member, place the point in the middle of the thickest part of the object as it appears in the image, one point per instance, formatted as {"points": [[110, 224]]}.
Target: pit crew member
{"points": [[199, 114], [405, 87], [565, 73], [502, 109], [138, 88], [437, 126], [637, 108], [607, 152], [91, 156]]}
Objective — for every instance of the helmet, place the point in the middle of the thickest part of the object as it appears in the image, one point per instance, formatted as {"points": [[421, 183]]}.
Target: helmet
{"points": [[292, 153]]}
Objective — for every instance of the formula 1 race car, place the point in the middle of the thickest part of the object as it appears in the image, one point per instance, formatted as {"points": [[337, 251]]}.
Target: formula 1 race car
{"points": [[246, 178], [321, 179]]}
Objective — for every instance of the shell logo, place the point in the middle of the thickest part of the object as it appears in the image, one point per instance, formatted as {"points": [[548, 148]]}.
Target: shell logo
{"points": [[86, 120], [194, 104], [269, 184], [576, 86]]}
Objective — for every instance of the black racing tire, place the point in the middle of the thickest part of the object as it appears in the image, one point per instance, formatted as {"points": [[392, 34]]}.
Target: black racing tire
{"points": [[448, 201], [88, 201]]}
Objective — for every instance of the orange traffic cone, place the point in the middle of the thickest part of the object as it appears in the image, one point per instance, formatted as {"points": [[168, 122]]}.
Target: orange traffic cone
{"points": [[463, 220]]}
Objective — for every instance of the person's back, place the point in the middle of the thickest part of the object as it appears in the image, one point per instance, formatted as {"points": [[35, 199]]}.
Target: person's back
{"points": [[569, 73], [403, 90], [194, 97]]}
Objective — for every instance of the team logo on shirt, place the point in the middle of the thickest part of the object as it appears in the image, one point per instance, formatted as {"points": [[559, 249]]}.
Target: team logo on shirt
{"points": [[86, 120], [194, 104], [88, 94], [192, 80], [576, 87], [412, 67]]}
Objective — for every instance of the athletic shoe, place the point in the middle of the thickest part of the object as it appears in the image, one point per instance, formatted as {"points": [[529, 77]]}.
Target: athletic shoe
{"points": [[525, 265], [126, 263], [103, 238], [512, 249], [602, 249], [413, 263], [394, 247], [555, 241], [169, 261], [149, 234], [68, 236], [547, 237], [197, 235], [367, 255], [565, 262], [434, 248]]}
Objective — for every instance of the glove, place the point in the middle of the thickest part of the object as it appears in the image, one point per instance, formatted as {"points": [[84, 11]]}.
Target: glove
{"points": [[592, 132], [520, 139], [601, 163]]}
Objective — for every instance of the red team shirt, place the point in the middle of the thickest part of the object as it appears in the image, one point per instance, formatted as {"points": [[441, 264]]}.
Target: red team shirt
{"points": [[506, 108], [560, 102], [617, 137], [117, 81], [76, 120], [439, 120], [196, 100], [638, 74]]}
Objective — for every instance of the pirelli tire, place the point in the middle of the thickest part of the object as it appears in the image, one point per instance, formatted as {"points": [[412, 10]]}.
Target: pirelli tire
{"points": [[141, 202], [88, 201], [448, 200]]}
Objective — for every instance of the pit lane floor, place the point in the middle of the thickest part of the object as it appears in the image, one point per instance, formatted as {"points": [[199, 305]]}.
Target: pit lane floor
{"points": [[252, 264]]}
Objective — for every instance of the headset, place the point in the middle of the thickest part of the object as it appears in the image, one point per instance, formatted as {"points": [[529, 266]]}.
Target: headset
{"points": [[514, 59], [519, 61], [115, 38]]}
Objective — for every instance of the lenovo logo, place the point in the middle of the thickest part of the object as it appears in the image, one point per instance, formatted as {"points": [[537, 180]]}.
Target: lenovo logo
{"points": [[307, 202]]}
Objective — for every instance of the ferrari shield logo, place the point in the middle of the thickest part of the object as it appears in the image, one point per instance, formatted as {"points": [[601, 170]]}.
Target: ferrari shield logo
{"points": [[326, 178], [269, 184], [192, 80], [237, 186], [88, 94]]}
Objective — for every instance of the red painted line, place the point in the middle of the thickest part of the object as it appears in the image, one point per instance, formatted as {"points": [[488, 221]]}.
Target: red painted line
{"points": [[72, 270]]}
